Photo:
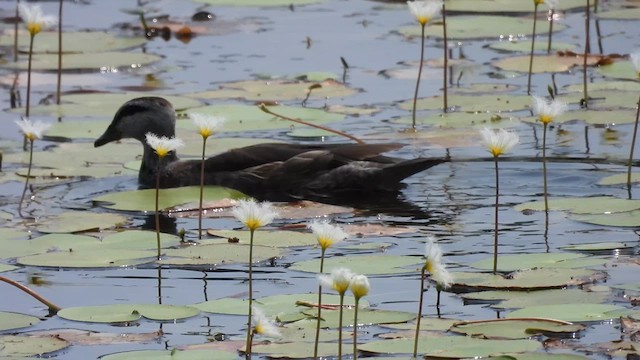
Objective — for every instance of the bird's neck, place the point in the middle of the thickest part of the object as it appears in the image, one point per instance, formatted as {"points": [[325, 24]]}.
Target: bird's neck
{"points": [[152, 164]]}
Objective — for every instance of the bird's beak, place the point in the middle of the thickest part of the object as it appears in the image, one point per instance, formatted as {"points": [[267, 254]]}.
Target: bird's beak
{"points": [[108, 136]]}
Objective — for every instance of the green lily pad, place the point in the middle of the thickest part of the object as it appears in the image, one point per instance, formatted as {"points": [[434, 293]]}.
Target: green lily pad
{"points": [[593, 117], [473, 103], [101, 105], [506, 6], [606, 86], [619, 179], [144, 200], [541, 63], [12, 346], [621, 14], [89, 258], [520, 299], [218, 254], [462, 120], [451, 346], [426, 324], [622, 69], [479, 27], [103, 61], [10, 320], [250, 117], [298, 350], [540, 356], [139, 240], [568, 312], [265, 238], [365, 317], [525, 45], [622, 219], [72, 42], [513, 328], [5, 268], [22, 247], [175, 354], [79, 221], [584, 205], [597, 246], [540, 260], [605, 99], [280, 89], [309, 133], [538, 279], [262, 3], [363, 264], [127, 313]]}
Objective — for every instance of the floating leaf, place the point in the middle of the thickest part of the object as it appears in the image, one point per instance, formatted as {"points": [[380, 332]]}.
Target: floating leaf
{"points": [[262, 3], [620, 70], [365, 317], [451, 346], [479, 27], [522, 280], [84, 337], [593, 117], [139, 240], [218, 254], [298, 350], [266, 238], [16, 346], [10, 320], [144, 200], [542, 63], [175, 354], [619, 179], [520, 299], [5, 267], [127, 313], [90, 258], [474, 103], [622, 219], [273, 90], [363, 264], [568, 312], [606, 86], [103, 61], [584, 205], [621, 14], [462, 120], [506, 6], [79, 221], [513, 328], [72, 41], [597, 246], [517, 45], [250, 117], [540, 260], [23, 247], [310, 133]]}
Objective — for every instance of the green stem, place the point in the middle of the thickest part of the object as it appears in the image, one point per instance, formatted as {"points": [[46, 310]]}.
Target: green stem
{"points": [[415, 342], [26, 182], [533, 42], [15, 33], [158, 205], [204, 144], [59, 86], [29, 76], [552, 13], [633, 143], [446, 57], [340, 327], [355, 330], [317, 339], [544, 167], [249, 339], [495, 228], [587, 42], [415, 94]]}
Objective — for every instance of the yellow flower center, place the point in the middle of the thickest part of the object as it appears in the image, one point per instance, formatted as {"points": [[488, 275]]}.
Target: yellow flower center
{"points": [[545, 119], [34, 28], [423, 20], [253, 224], [538, 2], [206, 132], [324, 242], [162, 151]]}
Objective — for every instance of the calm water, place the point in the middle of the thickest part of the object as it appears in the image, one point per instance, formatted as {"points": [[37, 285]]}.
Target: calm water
{"points": [[452, 201]]}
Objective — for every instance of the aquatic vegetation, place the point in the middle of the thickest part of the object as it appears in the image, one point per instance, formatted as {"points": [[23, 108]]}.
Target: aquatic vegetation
{"points": [[359, 288], [32, 130], [339, 280]]}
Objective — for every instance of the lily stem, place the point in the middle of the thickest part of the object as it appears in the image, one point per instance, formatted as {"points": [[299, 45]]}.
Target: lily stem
{"points": [[26, 181], [319, 318], [415, 94], [421, 297], [533, 43], [495, 220], [53, 308], [204, 145], [633, 143]]}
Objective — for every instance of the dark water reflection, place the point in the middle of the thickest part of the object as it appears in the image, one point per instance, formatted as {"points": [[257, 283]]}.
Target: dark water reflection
{"points": [[453, 201]]}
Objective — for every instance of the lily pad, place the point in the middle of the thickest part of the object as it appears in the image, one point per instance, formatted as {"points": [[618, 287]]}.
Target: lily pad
{"points": [[5, 267], [620, 70], [250, 117], [298, 350], [22, 247], [139, 240], [607, 86], [622, 219], [451, 346], [127, 313], [569, 312], [517, 45], [218, 254], [522, 280], [593, 117], [363, 264], [621, 14], [541, 63], [584, 205], [619, 179], [365, 317], [103, 61], [175, 354], [480, 27], [597, 246], [540, 260], [473, 103], [266, 238], [261, 3], [272, 90], [72, 42], [520, 299], [89, 258], [16, 346], [79, 221], [144, 200], [10, 320], [513, 328], [462, 120], [506, 6]]}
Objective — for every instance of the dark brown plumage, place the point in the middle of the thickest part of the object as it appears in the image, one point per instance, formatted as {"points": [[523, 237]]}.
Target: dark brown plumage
{"points": [[271, 171]]}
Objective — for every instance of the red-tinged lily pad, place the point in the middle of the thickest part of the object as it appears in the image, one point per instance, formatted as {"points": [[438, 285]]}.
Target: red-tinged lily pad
{"points": [[11, 321], [570, 312], [451, 346], [12, 346], [584, 205], [539, 279], [514, 328], [175, 354], [127, 313]]}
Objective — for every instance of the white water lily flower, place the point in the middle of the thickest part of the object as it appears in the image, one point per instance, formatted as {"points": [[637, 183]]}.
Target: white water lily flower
{"points": [[327, 234], [424, 11], [32, 129], [262, 325], [206, 124], [254, 215], [339, 280], [635, 60], [499, 142], [359, 286], [547, 110], [34, 19], [434, 265], [163, 145]]}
